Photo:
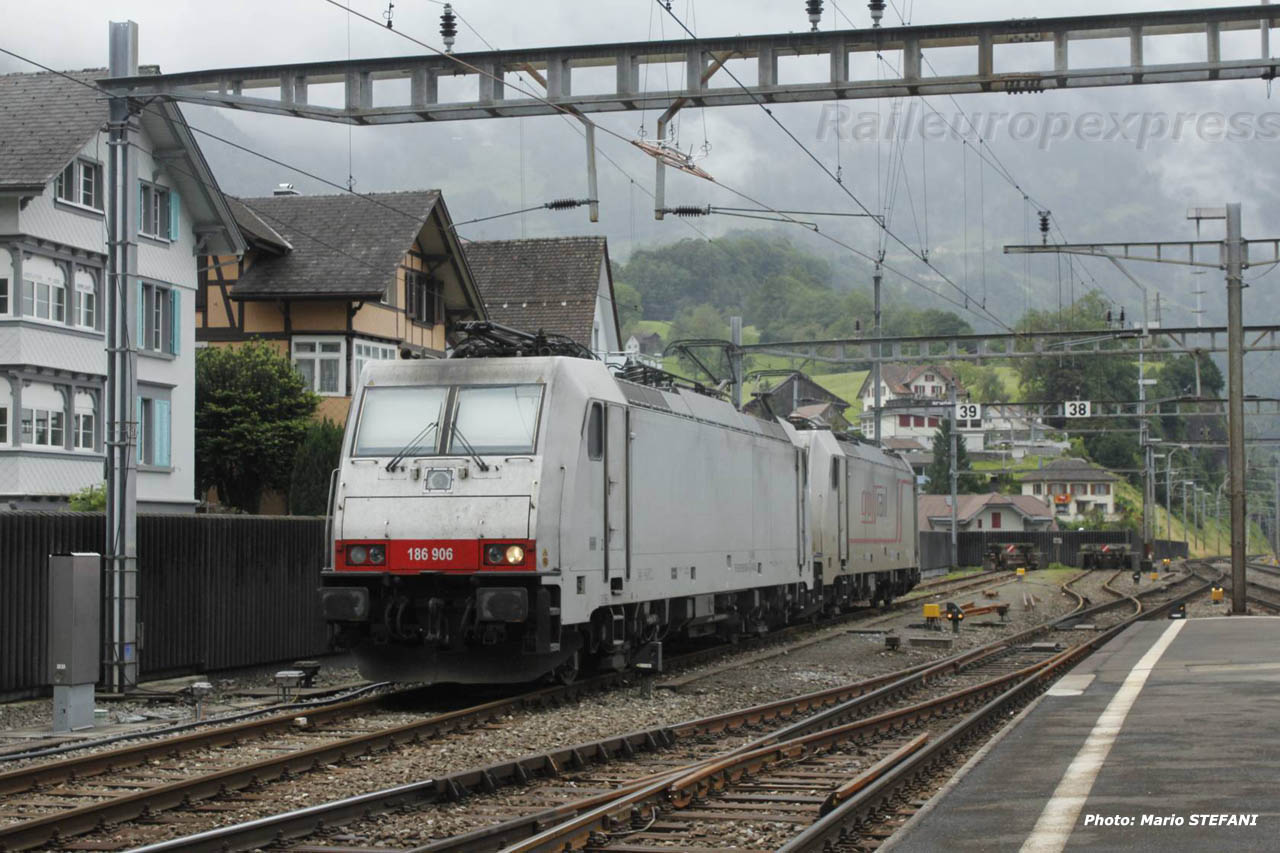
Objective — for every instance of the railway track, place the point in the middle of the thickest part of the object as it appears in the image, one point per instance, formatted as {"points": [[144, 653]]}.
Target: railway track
{"points": [[61, 799], [631, 756]]}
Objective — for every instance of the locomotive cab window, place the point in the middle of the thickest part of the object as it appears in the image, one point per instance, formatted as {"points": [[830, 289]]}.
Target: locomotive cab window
{"points": [[496, 419], [400, 418], [835, 472], [595, 432]]}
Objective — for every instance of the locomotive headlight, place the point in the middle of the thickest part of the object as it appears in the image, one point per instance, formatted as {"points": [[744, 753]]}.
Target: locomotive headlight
{"points": [[493, 555], [377, 555], [357, 554], [515, 554]]}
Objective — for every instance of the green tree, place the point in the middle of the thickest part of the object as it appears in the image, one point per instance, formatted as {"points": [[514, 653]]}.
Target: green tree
{"points": [[252, 410], [89, 499], [630, 308], [939, 470], [313, 465]]}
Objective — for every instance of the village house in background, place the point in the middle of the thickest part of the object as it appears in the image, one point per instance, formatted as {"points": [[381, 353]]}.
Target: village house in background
{"points": [[993, 511], [556, 285], [336, 281], [914, 401], [53, 298], [1072, 488], [798, 395]]}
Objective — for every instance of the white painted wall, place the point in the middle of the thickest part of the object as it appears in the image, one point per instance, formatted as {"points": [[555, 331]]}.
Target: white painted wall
{"points": [[609, 331], [173, 264]]}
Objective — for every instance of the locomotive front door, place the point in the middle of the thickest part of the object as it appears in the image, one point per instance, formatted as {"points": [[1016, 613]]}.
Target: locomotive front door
{"points": [[617, 505]]}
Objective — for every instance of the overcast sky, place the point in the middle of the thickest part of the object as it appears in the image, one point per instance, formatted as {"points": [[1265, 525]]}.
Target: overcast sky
{"points": [[1097, 190]]}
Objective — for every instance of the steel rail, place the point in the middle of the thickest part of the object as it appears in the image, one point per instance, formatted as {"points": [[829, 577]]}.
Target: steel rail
{"points": [[834, 827], [305, 821], [86, 818], [791, 742]]}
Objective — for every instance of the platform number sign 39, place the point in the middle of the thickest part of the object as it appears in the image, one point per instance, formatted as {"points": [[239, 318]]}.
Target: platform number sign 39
{"points": [[968, 412], [1076, 408]]}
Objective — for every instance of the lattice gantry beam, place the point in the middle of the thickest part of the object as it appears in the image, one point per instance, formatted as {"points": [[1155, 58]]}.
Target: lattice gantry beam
{"points": [[996, 346], [290, 89]]}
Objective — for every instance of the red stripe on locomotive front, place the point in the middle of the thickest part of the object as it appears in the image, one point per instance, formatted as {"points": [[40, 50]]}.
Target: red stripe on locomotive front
{"points": [[410, 556]]}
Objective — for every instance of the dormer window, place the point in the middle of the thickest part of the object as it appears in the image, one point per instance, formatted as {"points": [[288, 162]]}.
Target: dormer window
{"points": [[80, 183]]}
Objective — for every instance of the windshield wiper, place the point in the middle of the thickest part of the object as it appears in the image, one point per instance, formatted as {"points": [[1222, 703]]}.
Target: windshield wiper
{"points": [[457, 433], [416, 441]]}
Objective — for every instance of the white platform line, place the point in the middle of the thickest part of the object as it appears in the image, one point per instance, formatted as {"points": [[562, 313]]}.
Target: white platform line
{"points": [[1063, 809]]}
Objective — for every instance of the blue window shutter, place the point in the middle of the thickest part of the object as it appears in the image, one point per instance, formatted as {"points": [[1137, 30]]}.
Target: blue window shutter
{"points": [[175, 320], [141, 336], [174, 215], [161, 432]]}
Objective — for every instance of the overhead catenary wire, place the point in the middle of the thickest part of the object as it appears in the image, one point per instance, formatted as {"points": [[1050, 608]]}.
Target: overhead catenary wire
{"points": [[818, 162], [764, 207]]}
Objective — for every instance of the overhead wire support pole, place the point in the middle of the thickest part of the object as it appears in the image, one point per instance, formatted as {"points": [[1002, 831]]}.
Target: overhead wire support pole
{"points": [[121, 383], [1235, 396], [955, 477], [877, 279]]}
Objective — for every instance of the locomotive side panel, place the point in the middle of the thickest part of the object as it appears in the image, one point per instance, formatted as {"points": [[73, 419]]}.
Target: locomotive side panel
{"points": [[713, 510]]}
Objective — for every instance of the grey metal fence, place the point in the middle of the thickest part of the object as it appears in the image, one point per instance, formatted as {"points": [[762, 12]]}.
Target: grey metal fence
{"points": [[214, 592]]}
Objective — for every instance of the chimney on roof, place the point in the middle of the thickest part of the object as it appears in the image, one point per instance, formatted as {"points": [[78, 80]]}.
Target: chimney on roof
{"points": [[285, 189]]}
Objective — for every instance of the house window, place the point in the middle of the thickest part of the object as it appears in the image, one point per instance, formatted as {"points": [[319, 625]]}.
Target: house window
{"points": [[158, 211], [904, 420], [1079, 488], [934, 422], [928, 377], [918, 420], [6, 403], [84, 305], [153, 431], [83, 421], [159, 318], [1102, 488], [995, 521], [42, 427], [423, 301], [1036, 489], [320, 361], [44, 289], [6, 276], [80, 183], [366, 351], [919, 389]]}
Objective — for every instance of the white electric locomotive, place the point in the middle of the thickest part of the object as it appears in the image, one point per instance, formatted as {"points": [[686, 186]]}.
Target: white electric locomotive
{"points": [[501, 519]]}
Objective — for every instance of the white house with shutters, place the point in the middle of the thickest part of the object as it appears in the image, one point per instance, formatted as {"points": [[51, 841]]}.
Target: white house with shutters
{"points": [[53, 254]]}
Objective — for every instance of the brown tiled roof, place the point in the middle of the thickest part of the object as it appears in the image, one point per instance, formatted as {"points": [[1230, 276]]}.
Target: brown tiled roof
{"points": [[1068, 469], [898, 377], [541, 285], [343, 245], [46, 120]]}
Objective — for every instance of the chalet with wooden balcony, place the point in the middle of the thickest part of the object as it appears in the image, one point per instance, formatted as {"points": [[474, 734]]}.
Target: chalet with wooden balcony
{"points": [[336, 281]]}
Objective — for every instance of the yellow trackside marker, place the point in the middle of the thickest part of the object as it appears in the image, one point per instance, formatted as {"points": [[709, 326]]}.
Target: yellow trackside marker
{"points": [[1217, 593], [1022, 572], [933, 611], [1155, 576]]}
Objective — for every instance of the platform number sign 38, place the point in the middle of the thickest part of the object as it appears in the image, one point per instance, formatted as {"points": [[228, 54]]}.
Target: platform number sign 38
{"points": [[968, 412], [1076, 408]]}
